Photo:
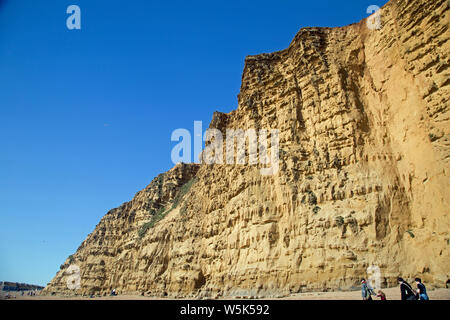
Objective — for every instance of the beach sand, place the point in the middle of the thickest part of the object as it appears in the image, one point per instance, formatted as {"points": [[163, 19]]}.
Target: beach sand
{"points": [[391, 294]]}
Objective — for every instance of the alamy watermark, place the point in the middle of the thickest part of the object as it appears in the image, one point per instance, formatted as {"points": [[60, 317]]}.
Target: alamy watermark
{"points": [[374, 21], [241, 147], [374, 277], [73, 281], [74, 20]]}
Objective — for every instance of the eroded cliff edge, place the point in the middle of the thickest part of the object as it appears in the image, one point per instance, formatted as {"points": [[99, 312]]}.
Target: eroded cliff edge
{"points": [[363, 179]]}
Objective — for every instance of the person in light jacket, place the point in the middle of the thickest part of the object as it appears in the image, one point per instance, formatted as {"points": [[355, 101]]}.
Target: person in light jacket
{"points": [[366, 291]]}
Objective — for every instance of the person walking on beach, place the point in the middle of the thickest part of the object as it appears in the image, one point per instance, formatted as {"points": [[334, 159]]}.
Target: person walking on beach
{"points": [[421, 290], [406, 290], [366, 291]]}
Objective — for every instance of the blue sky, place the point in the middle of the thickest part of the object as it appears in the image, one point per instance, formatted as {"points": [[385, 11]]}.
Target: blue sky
{"points": [[86, 115]]}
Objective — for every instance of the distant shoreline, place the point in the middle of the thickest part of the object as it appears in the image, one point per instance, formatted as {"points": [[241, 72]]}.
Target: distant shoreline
{"points": [[18, 286]]}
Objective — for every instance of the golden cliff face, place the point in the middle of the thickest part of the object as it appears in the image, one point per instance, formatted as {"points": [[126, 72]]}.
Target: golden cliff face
{"points": [[363, 177]]}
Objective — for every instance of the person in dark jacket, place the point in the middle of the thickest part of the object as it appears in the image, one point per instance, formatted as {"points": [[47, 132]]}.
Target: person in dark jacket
{"points": [[406, 291], [421, 290]]}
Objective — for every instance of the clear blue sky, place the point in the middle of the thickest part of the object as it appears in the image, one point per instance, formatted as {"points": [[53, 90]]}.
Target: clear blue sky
{"points": [[86, 115]]}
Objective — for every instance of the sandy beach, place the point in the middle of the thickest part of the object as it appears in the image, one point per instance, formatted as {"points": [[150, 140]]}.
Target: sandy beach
{"points": [[391, 294]]}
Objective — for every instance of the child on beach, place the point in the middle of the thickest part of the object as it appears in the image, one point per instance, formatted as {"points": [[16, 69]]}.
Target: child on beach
{"points": [[381, 295]]}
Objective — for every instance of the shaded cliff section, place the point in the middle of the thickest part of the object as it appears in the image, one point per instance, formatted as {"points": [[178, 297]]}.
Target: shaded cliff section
{"points": [[363, 180]]}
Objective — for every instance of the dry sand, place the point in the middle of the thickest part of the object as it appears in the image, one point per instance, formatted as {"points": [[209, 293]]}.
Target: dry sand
{"points": [[391, 294]]}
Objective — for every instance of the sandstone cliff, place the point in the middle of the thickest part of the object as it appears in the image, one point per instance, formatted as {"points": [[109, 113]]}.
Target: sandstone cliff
{"points": [[363, 179]]}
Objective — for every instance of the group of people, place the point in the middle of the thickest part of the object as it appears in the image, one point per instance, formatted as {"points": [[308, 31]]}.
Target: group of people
{"points": [[406, 291], [409, 294]]}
